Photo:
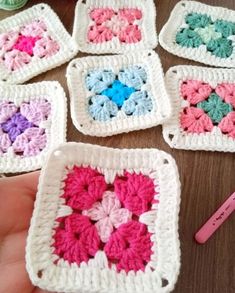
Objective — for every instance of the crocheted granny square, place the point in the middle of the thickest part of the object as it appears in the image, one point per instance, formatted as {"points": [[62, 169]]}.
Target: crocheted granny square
{"points": [[203, 100], [107, 26], [114, 94], [31, 42], [32, 122], [201, 32], [105, 220]]}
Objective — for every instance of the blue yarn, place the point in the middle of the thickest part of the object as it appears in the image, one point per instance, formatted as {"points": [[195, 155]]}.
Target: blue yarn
{"points": [[99, 80], [133, 76], [138, 104], [102, 108], [118, 92]]}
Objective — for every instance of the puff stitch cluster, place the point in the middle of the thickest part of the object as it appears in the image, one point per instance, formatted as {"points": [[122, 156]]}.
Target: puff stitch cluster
{"points": [[108, 218]]}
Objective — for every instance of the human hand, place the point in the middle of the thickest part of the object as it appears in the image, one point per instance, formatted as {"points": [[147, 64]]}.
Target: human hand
{"points": [[17, 195]]}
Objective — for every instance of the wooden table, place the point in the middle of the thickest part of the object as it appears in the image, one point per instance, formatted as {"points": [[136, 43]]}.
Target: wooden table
{"points": [[207, 177]]}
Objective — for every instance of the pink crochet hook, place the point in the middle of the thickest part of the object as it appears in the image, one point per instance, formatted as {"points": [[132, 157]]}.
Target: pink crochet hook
{"points": [[216, 220]]}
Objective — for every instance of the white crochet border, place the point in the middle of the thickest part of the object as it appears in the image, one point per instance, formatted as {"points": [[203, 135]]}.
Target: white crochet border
{"points": [[88, 278], [147, 26], [76, 73], [55, 125], [173, 134], [68, 47], [177, 20]]}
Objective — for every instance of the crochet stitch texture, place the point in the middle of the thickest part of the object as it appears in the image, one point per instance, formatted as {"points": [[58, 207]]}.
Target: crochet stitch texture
{"points": [[202, 33], [105, 26], [114, 94], [28, 119], [30, 44], [110, 223], [204, 108]]}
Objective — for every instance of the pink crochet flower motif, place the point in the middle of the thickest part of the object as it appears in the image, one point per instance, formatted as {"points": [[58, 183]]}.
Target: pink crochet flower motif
{"points": [[77, 240], [83, 187], [227, 92], [194, 120], [195, 91], [19, 47], [5, 142], [109, 24], [135, 192], [108, 215], [130, 247], [227, 125], [7, 110]]}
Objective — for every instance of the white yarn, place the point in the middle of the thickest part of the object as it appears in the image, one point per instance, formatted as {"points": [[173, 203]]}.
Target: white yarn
{"points": [[68, 47], [177, 20], [147, 26], [173, 134], [55, 128], [95, 276], [79, 94]]}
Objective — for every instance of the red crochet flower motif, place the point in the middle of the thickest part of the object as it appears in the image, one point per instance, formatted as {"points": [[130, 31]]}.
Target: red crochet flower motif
{"points": [[83, 187], [195, 91], [78, 240], [135, 192], [194, 120], [109, 24], [130, 247]]}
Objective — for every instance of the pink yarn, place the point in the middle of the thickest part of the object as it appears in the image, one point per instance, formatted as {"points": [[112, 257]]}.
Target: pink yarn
{"points": [[194, 120], [108, 215], [15, 59], [31, 142], [77, 241], [109, 24], [227, 125], [5, 142], [100, 15], [129, 247], [135, 192], [46, 47], [227, 92], [195, 91], [36, 111], [83, 187], [7, 110], [34, 29], [7, 40], [26, 44]]}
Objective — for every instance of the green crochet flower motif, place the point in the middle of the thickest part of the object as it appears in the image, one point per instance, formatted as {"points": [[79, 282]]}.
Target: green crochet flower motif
{"points": [[215, 108], [208, 33], [188, 38], [226, 28], [196, 20], [221, 47]]}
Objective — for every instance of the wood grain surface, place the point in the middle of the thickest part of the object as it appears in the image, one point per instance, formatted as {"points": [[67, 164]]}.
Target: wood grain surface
{"points": [[207, 177]]}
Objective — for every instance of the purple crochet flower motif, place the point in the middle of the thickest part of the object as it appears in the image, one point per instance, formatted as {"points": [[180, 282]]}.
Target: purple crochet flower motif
{"points": [[31, 142], [16, 125]]}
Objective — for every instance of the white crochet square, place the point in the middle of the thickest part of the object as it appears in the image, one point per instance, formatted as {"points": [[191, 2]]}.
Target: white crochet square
{"points": [[203, 119], [32, 122], [49, 272], [200, 32], [114, 94], [31, 42], [106, 26]]}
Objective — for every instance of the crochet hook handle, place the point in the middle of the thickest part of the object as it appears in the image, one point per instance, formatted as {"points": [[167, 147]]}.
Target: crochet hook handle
{"points": [[216, 220]]}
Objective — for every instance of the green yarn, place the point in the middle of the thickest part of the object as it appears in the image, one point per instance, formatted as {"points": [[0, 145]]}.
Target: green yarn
{"points": [[221, 47], [12, 4], [215, 108], [188, 38], [208, 33], [226, 28], [196, 20]]}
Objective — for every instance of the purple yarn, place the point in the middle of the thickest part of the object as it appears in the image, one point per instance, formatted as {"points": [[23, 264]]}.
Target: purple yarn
{"points": [[16, 125]]}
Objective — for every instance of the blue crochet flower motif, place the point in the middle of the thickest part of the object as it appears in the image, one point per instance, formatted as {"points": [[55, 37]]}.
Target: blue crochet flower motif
{"points": [[118, 92]]}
